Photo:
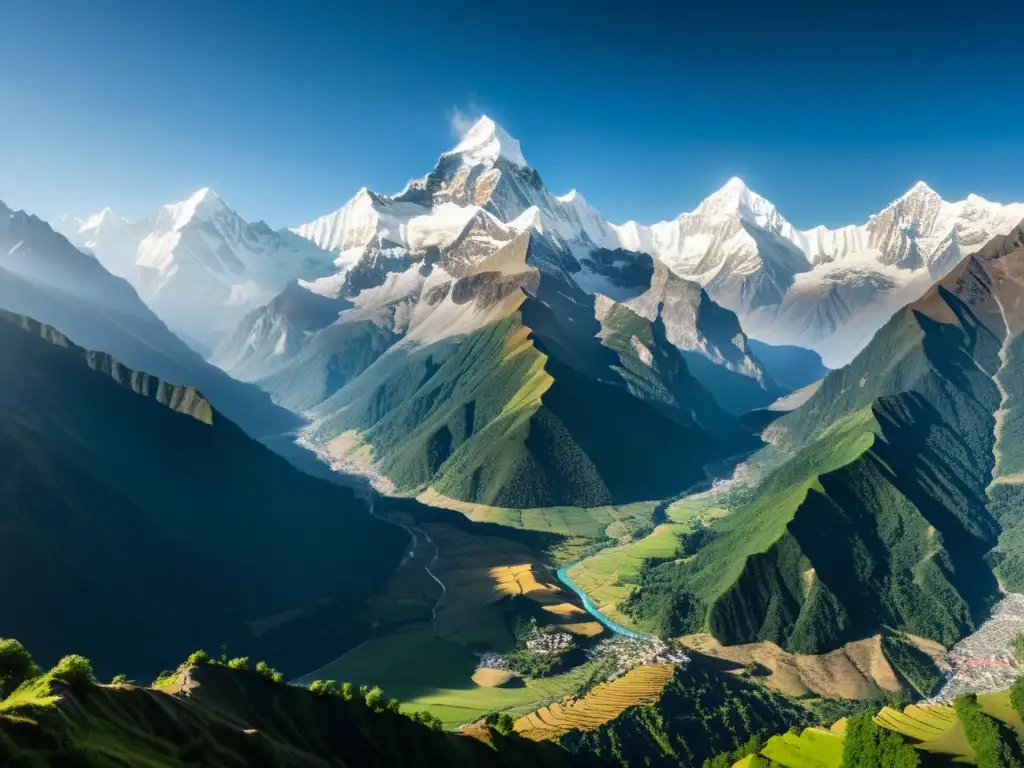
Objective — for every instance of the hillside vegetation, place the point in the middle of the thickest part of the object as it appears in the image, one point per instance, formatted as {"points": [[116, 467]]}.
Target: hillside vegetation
{"points": [[700, 712], [871, 508], [503, 414], [986, 731], [225, 715], [133, 509]]}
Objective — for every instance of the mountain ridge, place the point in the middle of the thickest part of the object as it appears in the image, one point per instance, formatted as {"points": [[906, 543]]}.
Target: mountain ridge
{"points": [[95, 489], [44, 276], [877, 502]]}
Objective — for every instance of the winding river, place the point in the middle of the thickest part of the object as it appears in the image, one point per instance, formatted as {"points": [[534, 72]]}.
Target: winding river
{"points": [[594, 611]]}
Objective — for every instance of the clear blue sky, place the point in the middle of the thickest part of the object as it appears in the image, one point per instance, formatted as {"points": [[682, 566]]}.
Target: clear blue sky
{"points": [[288, 108]]}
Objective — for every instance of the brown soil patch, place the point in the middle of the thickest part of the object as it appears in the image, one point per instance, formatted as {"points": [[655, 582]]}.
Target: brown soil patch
{"points": [[491, 678], [855, 671]]}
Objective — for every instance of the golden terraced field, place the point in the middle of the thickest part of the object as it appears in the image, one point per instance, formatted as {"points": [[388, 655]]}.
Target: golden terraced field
{"points": [[641, 685]]}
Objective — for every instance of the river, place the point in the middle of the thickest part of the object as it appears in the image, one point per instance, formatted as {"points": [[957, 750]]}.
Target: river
{"points": [[595, 612]]}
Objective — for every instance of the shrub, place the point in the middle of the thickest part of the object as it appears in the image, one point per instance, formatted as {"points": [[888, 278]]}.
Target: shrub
{"points": [[1017, 696], [867, 745], [752, 746], [349, 691], [197, 659], [165, 678], [119, 680], [74, 670], [503, 723], [16, 666], [375, 699], [426, 718], [986, 735], [267, 671], [323, 688], [394, 706], [242, 662]]}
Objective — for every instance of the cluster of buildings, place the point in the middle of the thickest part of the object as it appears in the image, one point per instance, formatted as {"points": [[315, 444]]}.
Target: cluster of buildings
{"points": [[984, 661]]}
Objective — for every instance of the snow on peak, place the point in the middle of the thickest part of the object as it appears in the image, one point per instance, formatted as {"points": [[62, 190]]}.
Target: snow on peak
{"points": [[97, 220], [202, 204], [918, 191], [735, 198], [529, 219], [571, 197], [485, 142]]}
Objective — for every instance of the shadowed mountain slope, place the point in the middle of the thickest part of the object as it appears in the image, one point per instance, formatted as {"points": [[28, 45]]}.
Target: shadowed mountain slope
{"points": [[137, 520], [878, 502]]}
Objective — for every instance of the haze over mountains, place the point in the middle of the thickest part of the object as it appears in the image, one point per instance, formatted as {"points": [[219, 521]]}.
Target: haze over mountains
{"points": [[357, 317], [197, 263], [823, 289]]}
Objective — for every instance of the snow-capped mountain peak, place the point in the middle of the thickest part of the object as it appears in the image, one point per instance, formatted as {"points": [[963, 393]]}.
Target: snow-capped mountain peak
{"points": [[485, 142], [735, 198], [572, 197], [106, 217], [203, 204], [197, 263]]}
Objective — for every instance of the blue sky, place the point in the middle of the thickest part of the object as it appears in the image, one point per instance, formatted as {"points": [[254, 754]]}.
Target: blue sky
{"points": [[288, 108]]}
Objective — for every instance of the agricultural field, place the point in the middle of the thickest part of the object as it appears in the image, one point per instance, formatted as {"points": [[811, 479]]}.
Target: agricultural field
{"points": [[432, 662], [610, 575], [428, 672], [935, 729], [479, 572], [612, 522], [924, 724], [641, 685], [813, 748]]}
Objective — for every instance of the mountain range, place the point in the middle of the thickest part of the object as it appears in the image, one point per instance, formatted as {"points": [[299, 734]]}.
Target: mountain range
{"points": [[366, 297], [890, 498], [477, 322], [197, 264], [43, 276], [479, 344], [824, 289]]}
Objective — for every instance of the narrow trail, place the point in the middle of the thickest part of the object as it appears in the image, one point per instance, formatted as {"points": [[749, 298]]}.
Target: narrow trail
{"points": [[414, 539]]}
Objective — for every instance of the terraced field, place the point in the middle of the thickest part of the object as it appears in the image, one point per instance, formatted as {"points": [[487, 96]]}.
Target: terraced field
{"points": [[933, 728], [922, 724], [640, 685], [813, 748], [938, 729]]}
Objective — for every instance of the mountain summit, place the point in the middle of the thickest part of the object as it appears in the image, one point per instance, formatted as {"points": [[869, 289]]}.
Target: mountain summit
{"points": [[826, 289], [197, 263], [485, 142]]}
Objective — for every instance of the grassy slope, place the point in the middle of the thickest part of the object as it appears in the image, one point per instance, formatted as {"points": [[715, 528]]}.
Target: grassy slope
{"points": [[934, 730], [431, 672], [234, 718], [101, 477], [872, 507], [490, 419], [1007, 492], [700, 712]]}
